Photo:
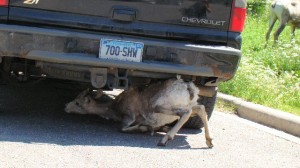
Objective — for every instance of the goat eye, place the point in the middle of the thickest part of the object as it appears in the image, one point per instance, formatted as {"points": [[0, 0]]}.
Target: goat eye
{"points": [[77, 104]]}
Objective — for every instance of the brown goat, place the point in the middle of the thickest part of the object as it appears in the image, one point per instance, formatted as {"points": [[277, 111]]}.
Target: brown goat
{"points": [[287, 12], [147, 109]]}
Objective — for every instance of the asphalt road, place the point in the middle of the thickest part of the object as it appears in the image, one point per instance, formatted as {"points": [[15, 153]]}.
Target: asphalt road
{"points": [[36, 132]]}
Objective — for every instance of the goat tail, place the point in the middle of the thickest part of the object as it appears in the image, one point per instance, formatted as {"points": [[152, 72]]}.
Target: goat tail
{"points": [[273, 4]]}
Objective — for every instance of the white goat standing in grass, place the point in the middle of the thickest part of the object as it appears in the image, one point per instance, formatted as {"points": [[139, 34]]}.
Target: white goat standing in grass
{"points": [[288, 13], [147, 109]]}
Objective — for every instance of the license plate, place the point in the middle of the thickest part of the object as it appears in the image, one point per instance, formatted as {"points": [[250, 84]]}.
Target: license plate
{"points": [[121, 50]]}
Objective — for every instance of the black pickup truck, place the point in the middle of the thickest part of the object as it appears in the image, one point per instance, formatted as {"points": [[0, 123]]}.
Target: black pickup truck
{"points": [[117, 43]]}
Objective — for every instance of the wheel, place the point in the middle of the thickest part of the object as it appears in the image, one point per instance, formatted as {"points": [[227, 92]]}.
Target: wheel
{"points": [[209, 103], [5, 65]]}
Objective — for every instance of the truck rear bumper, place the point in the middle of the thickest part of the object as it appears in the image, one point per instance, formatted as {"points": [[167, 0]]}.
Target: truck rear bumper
{"points": [[82, 48]]}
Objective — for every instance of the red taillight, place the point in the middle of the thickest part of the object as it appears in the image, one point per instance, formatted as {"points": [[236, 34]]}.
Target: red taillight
{"points": [[3, 2], [238, 16]]}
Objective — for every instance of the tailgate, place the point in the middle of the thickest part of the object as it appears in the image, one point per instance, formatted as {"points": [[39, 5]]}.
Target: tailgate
{"points": [[172, 18]]}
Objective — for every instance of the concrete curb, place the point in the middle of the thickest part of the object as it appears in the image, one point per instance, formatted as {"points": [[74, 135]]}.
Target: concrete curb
{"points": [[264, 115]]}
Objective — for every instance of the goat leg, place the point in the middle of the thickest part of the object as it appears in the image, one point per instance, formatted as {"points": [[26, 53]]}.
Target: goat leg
{"points": [[293, 28], [128, 121], [135, 128], [277, 33], [170, 134], [200, 111], [273, 19], [283, 22]]}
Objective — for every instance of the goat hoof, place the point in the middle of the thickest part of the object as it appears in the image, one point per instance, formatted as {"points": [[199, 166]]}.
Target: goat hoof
{"points": [[161, 144], [163, 141], [209, 144]]}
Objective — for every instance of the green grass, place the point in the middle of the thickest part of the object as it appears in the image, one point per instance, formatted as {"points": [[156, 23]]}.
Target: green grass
{"points": [[268, 76]]}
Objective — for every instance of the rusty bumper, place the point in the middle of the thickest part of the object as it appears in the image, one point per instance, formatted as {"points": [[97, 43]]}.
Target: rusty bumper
{"points": [[82, 48]]}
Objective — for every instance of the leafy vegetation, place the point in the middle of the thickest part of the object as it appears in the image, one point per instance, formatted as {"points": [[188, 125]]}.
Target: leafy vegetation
{"points": [[269, 76]]}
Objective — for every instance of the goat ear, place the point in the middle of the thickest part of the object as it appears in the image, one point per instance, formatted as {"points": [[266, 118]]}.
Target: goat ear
{"points": [[98, 94]]}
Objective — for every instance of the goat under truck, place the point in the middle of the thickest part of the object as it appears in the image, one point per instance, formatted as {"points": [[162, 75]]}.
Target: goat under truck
{"points": [[119, 43]]}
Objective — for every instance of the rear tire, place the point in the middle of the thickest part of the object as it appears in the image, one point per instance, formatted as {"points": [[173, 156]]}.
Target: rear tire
{"points": [[209, 103]]}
